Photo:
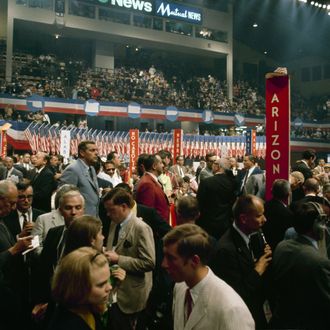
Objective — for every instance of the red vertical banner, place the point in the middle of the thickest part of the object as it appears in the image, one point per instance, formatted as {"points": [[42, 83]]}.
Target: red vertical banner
{"points": [[3, 144], [133, 150], [177, 143], [277, 129], [254, 142]]}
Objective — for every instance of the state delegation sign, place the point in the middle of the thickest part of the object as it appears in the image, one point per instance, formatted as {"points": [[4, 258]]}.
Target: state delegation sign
{"points": [[277, 129]]}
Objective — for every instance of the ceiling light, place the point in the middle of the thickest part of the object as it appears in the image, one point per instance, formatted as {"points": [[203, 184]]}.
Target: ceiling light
{"points": [[56, 35], [255, 25]]}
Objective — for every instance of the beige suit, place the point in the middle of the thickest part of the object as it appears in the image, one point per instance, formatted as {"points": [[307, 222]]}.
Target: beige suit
{"points": [[136, 249], [217, 307]]}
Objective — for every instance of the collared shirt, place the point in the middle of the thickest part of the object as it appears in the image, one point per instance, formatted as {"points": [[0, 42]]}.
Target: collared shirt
{"points": [[304, 161], [154, 177], [122, 227], [196, 290], [312, 240], [245, 237], [28, 216], [40, 169]]}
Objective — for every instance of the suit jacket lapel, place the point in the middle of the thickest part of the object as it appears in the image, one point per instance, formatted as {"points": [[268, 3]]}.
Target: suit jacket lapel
{"points": [[241, 246], [124, 233], [200, 308], [85, 172]]}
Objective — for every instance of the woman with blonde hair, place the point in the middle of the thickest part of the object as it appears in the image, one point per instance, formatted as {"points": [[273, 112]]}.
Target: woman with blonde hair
{"points": [[81, 289]]}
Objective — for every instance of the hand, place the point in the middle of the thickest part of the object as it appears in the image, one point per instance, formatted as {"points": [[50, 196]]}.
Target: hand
{"points": [[39, 311], [112, 256], [119, 274], [21, 245], [26, 230], [263, 262]]}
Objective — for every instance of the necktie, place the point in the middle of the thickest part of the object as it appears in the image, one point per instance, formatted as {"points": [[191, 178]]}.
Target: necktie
{"points": [[61, 245], [91, 173], [115, 237], [188, 303], [25, 220]]}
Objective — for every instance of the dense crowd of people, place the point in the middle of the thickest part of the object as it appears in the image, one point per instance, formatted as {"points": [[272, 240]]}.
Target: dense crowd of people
{"points": [[50, 77], [169, 235]]}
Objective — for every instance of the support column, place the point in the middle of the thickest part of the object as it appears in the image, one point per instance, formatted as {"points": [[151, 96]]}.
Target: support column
{"points": [[104, 55], [8, 24]]}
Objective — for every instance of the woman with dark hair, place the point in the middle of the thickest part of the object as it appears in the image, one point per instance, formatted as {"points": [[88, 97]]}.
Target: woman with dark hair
{"points": [[81, 289]]}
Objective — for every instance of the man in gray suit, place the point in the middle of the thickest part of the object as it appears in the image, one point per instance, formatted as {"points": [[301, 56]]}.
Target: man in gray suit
{"points": [[131, 245], [82, 174], [52, 219], [12, 173], [201, 300]]}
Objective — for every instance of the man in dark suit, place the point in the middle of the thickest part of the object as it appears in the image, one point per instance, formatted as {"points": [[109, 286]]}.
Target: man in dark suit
{"points": [[278, 214], [24, 216], [13, 274], [71, 206], [149, 190], [251, 180], [43, 183], [305, 165], [238, 264], [302, 275], [216, 196]]}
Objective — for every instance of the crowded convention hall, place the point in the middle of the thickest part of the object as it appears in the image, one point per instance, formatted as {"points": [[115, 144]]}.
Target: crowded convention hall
{"points": [[164, 164]]}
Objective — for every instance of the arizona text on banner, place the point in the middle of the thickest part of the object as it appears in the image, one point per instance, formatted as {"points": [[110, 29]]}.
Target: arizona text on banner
{"points": [[277, 129], [177, 143], [133, 150]]}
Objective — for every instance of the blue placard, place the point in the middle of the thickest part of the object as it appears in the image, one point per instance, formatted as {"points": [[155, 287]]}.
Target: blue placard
{"points": [[172, 113], [35, 103], [248, 142], [180, 12], [134, 110]]}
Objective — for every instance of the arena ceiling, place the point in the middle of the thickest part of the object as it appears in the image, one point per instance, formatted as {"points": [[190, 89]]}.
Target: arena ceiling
{"points": [[287, 29]]}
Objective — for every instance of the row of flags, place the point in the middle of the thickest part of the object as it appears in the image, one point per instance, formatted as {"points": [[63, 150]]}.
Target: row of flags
{"points": [[47, 138]]}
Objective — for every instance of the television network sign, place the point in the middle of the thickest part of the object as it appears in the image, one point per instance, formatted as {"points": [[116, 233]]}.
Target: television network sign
{"points": [[158, 8], [180, 12]]}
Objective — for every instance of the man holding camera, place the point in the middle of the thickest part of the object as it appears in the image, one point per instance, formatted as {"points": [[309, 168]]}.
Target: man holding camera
{"points": [[242, 263]]}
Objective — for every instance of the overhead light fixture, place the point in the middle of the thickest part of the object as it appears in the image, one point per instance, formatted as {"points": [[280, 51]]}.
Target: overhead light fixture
{"points": [[56, 35], [255, 25], [265, 52]]}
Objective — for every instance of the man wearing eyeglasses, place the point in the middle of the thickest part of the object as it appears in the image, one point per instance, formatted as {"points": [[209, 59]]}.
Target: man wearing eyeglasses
{"points": [[20, 222], [109, 173]]}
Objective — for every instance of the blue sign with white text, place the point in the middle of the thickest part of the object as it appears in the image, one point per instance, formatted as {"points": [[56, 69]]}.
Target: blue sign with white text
{"points": [[180, 12]]}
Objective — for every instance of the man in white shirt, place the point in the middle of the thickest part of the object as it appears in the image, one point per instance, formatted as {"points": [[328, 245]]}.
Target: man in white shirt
{"points": [[201, 300]]}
